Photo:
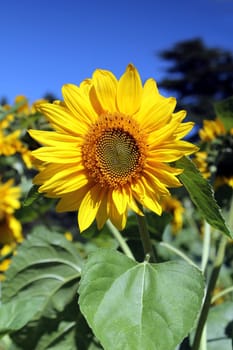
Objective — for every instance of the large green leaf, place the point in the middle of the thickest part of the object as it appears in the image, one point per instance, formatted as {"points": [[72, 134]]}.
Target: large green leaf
{"points": [[139, 306], [17, 313], [224, 111], [61, 339], [46, 267], [202, 195]]}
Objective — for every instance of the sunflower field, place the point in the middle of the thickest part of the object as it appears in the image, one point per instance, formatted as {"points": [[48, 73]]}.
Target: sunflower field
{"points": [[116, 221]]}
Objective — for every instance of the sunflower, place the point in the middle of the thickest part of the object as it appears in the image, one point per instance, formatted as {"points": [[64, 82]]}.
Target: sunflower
{"points": [[5, 257], [200, 160], [211, 130], [24, 108], [174, 206], [111, 147], [10, 227], [216, 155], [9, 144]]}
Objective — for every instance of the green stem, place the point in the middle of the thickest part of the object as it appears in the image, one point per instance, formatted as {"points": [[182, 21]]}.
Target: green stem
{"points": [[145, 238], [211, 285], [206, 246], [178, 252], [124, 246], [204, 262], [203, 343]]}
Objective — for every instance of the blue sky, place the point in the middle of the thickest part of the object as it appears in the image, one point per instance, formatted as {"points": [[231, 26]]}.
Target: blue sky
{"points": [[47, 43]]}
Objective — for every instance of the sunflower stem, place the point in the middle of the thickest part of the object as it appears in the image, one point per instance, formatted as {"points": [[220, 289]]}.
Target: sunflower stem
{"points": [[206, 246], [204, 262], [122, 242], [145, 238], [211, 285]]}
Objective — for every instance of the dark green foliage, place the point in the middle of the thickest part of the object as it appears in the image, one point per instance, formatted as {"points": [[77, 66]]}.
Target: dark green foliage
{"points": [[198, 75], [202, 195]]}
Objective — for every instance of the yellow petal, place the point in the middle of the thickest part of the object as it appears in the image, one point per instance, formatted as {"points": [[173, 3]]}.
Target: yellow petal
{"points": [[153, 184], [79, 103], [154, 114], [47, 172], [102, 214], [49, 175], [129, 91], [148, 199], [51, 138], [71, 201], [105, 84], [62, 120], [157, 137], [89, 207], [150, 89], [184, 147], [179, 116], [120, 200], [183, 129], [67, 184], [151, 101], [165, 174], [58, 154], [132, 204], [118, 220], [171, 151]]}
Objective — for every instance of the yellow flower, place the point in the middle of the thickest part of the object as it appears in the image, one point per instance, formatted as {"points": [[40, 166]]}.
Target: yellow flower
{"points": [[216, 159], [174, 206], [200, 160], [223, 180], [5, 253], [211, 129], [24, 108], [5, 122], [10, 227], [9, 198], [33, 106], [9, 144], [111, 147], [26, 156], [68, 235]]}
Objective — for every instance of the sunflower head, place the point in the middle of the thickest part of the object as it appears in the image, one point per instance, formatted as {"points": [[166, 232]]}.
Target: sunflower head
{"points": [[111, 147], [5, 254], [211, 130], [10, 227], [216, 159], [173, 206]]}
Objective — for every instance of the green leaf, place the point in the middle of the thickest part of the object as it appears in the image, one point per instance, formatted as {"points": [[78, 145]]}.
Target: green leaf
{"points": [[47, 266], [62, 338], [202, 195], [17, 313], [32, 195], [224, 111], [134, 306]]}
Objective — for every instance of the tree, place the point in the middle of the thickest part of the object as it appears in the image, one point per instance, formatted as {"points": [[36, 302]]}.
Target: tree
{"points": [[199, 76]]}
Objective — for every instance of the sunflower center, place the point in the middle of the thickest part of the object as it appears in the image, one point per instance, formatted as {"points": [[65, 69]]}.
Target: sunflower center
{"points": [[114, 151], [118, 153]]}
